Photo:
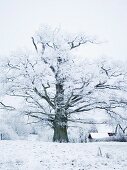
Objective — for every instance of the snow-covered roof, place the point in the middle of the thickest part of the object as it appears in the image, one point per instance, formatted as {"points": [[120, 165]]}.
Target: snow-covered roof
{"points": [[99, 135]]}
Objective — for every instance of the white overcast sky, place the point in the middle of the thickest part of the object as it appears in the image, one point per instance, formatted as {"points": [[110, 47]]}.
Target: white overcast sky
{"points": [[105, 19]]}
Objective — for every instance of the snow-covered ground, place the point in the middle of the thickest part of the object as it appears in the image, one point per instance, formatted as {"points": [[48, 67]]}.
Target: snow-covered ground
{"points": [[37, 155]]}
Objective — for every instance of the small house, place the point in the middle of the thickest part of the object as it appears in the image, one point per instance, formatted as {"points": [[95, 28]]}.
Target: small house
{"points": [[94, 137]]}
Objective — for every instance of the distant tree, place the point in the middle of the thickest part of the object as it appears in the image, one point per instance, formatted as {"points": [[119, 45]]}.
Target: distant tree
{"points": [[55, 85]]}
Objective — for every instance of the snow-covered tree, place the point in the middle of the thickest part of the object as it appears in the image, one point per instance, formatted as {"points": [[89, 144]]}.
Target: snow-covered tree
{"points": [[55, 86]]}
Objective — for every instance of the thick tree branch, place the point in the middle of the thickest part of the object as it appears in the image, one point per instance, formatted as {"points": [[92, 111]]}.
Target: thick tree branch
{"points": [[46, 98], [34, 44]]}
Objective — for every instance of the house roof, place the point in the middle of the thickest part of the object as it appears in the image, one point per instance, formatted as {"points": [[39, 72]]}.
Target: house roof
{"points": [[99, 135]]}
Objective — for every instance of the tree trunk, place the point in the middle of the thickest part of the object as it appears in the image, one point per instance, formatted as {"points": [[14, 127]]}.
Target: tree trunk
{"points": [[60, 133], [60, 120]]}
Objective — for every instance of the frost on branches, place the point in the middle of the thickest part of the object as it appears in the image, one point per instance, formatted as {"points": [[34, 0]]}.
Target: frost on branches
{"points": [[54, 85]]}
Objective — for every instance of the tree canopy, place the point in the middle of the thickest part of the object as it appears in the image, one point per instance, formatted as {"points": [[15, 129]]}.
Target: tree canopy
{"points": [[54, 84]]}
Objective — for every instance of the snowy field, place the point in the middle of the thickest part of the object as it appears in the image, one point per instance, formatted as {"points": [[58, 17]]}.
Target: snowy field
{"points": [[36, 155]]}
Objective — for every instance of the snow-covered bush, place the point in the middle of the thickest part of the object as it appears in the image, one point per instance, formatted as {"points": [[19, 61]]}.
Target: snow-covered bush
{"points": [[7, 132], [15, 125]]}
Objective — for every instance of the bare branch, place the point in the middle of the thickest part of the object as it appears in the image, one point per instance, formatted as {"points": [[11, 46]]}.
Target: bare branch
{"points": [[78, 41], [83, 121], [90, 106], [13, 66], [38, 117], [46, 97], [38, 112], [105, 70], [34, 44], [106, 86], [7, 107]]}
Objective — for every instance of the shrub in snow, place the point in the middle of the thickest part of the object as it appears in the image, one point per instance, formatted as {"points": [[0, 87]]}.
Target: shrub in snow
{"points": [[107, 155], [7, 132], [99, 152], [16, 124]]}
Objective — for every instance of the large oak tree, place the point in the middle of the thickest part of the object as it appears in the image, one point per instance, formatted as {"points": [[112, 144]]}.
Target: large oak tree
{"points": [[55, 85]]}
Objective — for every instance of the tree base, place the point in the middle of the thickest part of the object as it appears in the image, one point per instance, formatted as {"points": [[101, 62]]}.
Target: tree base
{"points": [[60, 134]]}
